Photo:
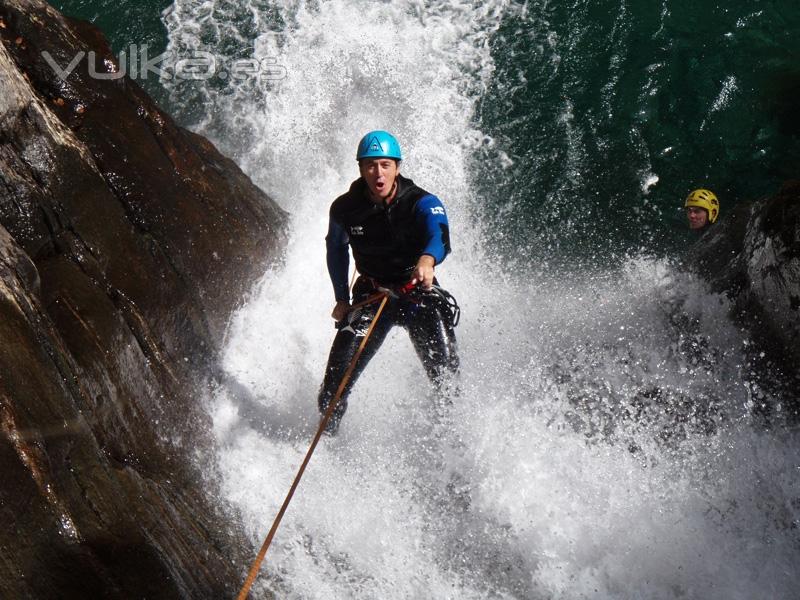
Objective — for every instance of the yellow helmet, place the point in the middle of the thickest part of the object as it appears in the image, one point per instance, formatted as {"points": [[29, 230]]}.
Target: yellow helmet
{"points": [[704, 199]]}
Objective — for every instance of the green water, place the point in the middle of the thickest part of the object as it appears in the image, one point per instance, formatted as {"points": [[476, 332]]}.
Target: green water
{"points": [[593, 100], [124, 22], [642, 79]]}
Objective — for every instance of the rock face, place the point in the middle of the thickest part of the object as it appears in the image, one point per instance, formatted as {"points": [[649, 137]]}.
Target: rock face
{"points": [[753, 255], [125, 244]]}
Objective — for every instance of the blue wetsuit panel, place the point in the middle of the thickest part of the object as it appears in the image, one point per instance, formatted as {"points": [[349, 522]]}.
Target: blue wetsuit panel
{"points": [[338, 259], [430, 214]]}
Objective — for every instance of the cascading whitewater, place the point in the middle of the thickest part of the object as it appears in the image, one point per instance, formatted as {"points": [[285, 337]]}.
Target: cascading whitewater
{"points": [[602, 444]]}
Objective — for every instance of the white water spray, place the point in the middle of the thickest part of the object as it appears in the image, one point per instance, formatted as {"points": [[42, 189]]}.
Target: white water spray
{"points": [[547, 482]]}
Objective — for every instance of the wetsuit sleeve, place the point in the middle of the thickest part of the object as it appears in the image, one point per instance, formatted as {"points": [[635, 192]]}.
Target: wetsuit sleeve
{"points": [[431, 216], [338, 259]]}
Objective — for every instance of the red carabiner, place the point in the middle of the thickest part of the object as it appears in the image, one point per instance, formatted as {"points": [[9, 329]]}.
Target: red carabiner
{"points": [[408, 288]]}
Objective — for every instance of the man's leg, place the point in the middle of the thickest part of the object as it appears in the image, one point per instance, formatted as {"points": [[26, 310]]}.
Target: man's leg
{"points": [[344, 348], [433, 336]]}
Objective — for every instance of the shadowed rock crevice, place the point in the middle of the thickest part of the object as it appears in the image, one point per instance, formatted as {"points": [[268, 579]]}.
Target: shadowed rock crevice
{"points": [[125, 244]]}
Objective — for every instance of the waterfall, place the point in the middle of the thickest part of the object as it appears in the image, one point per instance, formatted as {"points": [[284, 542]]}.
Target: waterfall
{"points": [[602, 444]]}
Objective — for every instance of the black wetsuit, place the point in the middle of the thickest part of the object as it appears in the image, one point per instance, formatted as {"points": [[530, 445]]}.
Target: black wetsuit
{"points": [[386, 242]]}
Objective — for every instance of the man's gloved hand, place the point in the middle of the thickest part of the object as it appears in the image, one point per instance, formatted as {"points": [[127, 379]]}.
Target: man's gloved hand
{"points": [[423, 272], [340, 310]]}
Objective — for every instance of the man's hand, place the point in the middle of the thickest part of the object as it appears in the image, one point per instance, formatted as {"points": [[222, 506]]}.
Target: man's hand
{"points": [[340, 310], [423, 272]]}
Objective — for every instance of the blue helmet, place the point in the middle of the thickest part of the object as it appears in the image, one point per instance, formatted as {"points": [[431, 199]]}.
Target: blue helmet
{"points": [[379, 144]]}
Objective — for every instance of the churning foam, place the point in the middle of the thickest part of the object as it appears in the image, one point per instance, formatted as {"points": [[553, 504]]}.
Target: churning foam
{"points": [[575, 462]]}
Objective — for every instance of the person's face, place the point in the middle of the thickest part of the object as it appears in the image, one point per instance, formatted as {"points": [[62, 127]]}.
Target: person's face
{"points": [[698, 217], [379, 173]]}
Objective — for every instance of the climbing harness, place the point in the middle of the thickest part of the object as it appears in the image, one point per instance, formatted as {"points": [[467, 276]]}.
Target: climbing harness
{"points": [[416, 294]]}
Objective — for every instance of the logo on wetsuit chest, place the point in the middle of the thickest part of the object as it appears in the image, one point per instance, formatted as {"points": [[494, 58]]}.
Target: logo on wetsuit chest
{"points": [[356, 230]]}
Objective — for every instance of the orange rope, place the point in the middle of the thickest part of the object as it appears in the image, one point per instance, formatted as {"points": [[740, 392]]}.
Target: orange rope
{"points": [[251, 577], [353, 279], [370, 300]]}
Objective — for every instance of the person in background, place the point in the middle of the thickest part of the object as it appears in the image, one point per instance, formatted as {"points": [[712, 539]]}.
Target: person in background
{"points": [[398, 234], [702, 209]]}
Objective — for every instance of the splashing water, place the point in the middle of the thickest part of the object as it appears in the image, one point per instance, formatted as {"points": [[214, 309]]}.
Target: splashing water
{"points": [[601, 445]]}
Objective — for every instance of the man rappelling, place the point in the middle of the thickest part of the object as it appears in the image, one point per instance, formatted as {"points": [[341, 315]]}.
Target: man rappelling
{"points": [[398, 234]]}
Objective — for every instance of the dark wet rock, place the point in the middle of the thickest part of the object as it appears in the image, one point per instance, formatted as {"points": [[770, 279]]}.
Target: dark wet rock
{"points": [[753, 255], [125, 244]]}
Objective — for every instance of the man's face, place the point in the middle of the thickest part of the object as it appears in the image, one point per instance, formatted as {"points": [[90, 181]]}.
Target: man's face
{"points": [[698, 217], [379, 173]]}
